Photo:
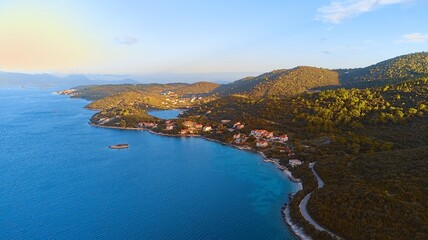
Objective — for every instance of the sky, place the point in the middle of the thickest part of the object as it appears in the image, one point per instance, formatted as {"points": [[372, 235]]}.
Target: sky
{"points": [[206, 37]]}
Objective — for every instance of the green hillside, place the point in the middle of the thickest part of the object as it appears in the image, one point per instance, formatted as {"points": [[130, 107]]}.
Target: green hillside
{"points": [[281, 83], [199, 88], [370, 148], [370, 143], [100, 91], [390, 71], [128, 99]]}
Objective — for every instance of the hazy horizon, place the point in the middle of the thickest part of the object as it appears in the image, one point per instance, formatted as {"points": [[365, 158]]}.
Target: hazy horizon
{"points": [[142, 38]]}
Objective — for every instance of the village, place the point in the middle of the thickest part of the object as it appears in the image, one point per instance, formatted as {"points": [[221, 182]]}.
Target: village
{"points": [[257, 139], [172, 99]]}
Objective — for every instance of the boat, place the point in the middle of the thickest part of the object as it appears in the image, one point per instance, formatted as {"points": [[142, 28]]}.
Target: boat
{"points": [[119, 146]]}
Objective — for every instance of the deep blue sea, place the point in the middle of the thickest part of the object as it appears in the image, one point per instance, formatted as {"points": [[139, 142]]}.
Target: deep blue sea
{"points": [[59, 180]]}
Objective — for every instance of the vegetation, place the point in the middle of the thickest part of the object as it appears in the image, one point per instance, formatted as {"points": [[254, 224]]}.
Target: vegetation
{"points": [[341, 129], [390, 71], [281, 83], [370, 144]]}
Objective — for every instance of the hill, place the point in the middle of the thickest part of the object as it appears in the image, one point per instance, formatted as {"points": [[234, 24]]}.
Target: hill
{"points": [[281, 83], [101, 91], [390, 71], [199, 88], [97, 92], [126, 100], [370, 146]]}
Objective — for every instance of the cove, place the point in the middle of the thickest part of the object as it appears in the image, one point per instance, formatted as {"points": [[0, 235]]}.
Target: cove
{"points": [[60, 180]]}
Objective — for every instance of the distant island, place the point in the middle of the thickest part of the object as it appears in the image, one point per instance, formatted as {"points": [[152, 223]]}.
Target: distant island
{"points": [[366, 129]]}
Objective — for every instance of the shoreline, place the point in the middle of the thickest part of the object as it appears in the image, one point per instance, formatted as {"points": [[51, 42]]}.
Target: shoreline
{"points": [[294, 228], [265, 158]]}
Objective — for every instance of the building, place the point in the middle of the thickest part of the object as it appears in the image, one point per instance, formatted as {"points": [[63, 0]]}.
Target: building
{"points": [[238, 125], [237, 136], [294, 162], [147, 125], [207, 129], [262, 144], [260, 133], [283, 138]]}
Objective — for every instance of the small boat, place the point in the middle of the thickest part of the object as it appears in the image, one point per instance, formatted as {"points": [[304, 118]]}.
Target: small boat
{"points": [[119, 146]]}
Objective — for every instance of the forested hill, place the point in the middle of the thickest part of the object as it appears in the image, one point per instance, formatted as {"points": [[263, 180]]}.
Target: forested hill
{"points": [[281, 83], [285, 83], [198, 88], [394, 70], [97, 92]]}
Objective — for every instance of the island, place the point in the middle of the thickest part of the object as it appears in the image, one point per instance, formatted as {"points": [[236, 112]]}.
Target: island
{"points": [[365, 128]]}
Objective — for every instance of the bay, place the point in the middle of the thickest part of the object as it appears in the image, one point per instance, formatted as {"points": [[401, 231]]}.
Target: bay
{"points": [[59, 180], [166, 114]]}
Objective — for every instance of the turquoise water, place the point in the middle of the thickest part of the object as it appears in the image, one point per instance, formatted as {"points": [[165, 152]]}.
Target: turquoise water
{"points": [[59, 180], [166, 114]]}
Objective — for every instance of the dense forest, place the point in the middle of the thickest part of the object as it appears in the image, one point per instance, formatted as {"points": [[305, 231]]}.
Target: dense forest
{"points": [[340, 129], [370, 142], [281, 83], [390, 71]]}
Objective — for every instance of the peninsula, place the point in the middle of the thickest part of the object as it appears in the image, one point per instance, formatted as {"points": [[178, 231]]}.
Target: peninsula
{"points": [[366, 129]]}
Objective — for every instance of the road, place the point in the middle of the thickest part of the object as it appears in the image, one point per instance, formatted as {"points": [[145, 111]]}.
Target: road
{"points": [[303, 205]]}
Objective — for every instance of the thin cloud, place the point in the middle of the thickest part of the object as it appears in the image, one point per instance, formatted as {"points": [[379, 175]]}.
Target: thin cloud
{"points": [[337, 11], [127, 40], [413, 38]]}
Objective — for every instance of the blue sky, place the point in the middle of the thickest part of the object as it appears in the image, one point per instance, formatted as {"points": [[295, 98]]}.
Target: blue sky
{"points": [[167, 37]]}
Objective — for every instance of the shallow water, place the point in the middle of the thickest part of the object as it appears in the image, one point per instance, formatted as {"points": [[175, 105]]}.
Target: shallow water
{"points": [[165, 114], [59, 180]]}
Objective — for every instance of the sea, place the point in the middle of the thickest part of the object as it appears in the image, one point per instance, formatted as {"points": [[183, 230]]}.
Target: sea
{"points": [[59, 179]]}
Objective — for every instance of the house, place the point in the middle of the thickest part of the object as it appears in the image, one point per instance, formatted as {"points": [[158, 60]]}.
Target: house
{"points": [[262, 144], [103, 120], [239, 138], [147, 125], [199, 126], [294, 162], [283, 138], [183, 131], [238, 125], [169, 127], [225, 121], [260, 133], [239, 135], [207, 129]]}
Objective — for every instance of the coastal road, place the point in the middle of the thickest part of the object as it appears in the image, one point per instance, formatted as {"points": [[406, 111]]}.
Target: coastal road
{"points": [[303, 205]]}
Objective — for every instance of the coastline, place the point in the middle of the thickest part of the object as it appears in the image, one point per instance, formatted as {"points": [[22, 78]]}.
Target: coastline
{"points": [[296, 230], [265, 158]]}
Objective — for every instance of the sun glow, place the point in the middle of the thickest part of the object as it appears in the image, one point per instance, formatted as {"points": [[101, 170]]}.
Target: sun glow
{"points": [[38, 40]]}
